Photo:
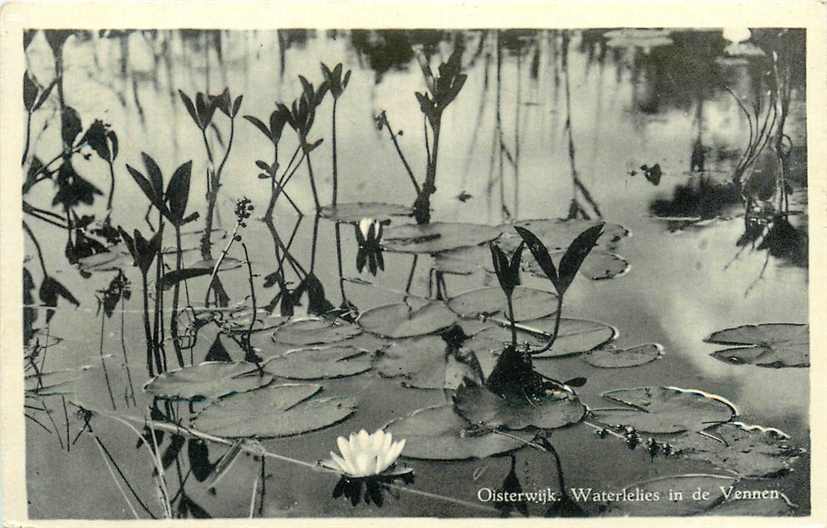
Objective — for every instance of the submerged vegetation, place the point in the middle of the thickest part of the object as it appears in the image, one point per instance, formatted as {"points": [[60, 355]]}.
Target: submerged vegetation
{"points": [[485, 371]]}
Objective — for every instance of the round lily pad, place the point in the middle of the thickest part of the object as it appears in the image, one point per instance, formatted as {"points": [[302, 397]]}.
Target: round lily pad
{"points": [[353, 212], [425, 363], [463, 260], [414, 317], [665, 409], [575, 336], [554, 409], [314, 331], [209, 380], [610, 356], [438, 433], [228, 263], [529, 303], [660, 504], [274, 411], [599, 265], [769, 345], [748, 450], [336, 361], [436, 237]]}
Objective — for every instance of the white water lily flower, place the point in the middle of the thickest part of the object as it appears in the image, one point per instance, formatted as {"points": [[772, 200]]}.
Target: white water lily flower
{"points": [[371, 230], [364, 455], [733, 34]]}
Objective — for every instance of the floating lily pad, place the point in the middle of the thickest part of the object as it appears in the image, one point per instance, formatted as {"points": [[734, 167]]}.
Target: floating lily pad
{"points": [[463, 260], [353, 212], [320, 362], [412, 318], [665, 409], [438, 433], [554, 409], [772, 345], [529, 303], [269, 412], [436, 237], [749, 450], [116, 258], [712, 485], [610, 356], [575, 336], [557, 233], [599, 265], [208, 380], [314, 331], [228, 263], [424, 363], [488, 344], [55, 383]]}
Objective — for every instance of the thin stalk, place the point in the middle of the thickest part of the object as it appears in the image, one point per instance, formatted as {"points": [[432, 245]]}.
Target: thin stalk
{"points": [[28, 137], [66, 419], [556, 327], [310, 174], [512, 320], [335, 163], [54, 424], [401, 155], [176, 292], [103, 366], [218, 262], [115, 478], [157, 338], [37, 247], [248, 346], [111, 185], [147, 328], [273, 192], [126, 357]]}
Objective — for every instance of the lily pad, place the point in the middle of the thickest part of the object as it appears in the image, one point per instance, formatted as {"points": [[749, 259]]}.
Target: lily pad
{"points": [[353, 212], [748, 450], [660, 504], [463, 260], [575, 336], [774, 345], [529, 303], [55, 383], [436, 237], [599, 265], [228, 263], [439, 433], [610, 356], [116, 258], [314, 331], [320, 362], [412, 318], [554, 409], [275, 411], [209, 380], [424, 363], [665, 409]]}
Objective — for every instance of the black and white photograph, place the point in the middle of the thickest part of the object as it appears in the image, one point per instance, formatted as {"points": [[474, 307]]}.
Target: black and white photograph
{"points": [[479, 271]]}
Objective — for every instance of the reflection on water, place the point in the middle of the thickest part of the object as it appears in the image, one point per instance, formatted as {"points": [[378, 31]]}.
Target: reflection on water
{"points": [[548, 124]]}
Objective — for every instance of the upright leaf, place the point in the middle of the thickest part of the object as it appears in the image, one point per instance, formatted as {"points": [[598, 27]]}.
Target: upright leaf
{"points": [[178, 192], [190, 108], [71, 125], [260, 125], [29, 92], [576, 254], [155, 176], [541, 255]]}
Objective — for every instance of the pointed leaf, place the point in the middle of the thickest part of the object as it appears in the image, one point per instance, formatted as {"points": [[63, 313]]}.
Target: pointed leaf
{"points": [[236, 105], [259, 125], [576, 254], [29, 92], [154, 174], [71, 125], [178, 192], [190, 108], [541, 255], [44, 95], [143, 183]]}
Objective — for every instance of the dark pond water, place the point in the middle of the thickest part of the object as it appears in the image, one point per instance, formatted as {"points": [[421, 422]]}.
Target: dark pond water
{"points": [[636, 102]]}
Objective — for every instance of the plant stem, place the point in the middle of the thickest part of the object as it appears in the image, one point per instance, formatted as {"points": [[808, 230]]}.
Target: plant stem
{"points": [[157, 338], [125, 356], [556, 327], [401, 155], [37, 247], [147, 328], [28, 137], [103, 365], [111, 185], [176, 292], [248, 347], [335, 164], [512, 319], [310, 173], [218, 264]]}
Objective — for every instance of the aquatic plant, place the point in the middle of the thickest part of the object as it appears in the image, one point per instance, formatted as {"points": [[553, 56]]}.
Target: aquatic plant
{"points": [[365, 455], [337, 84]]}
